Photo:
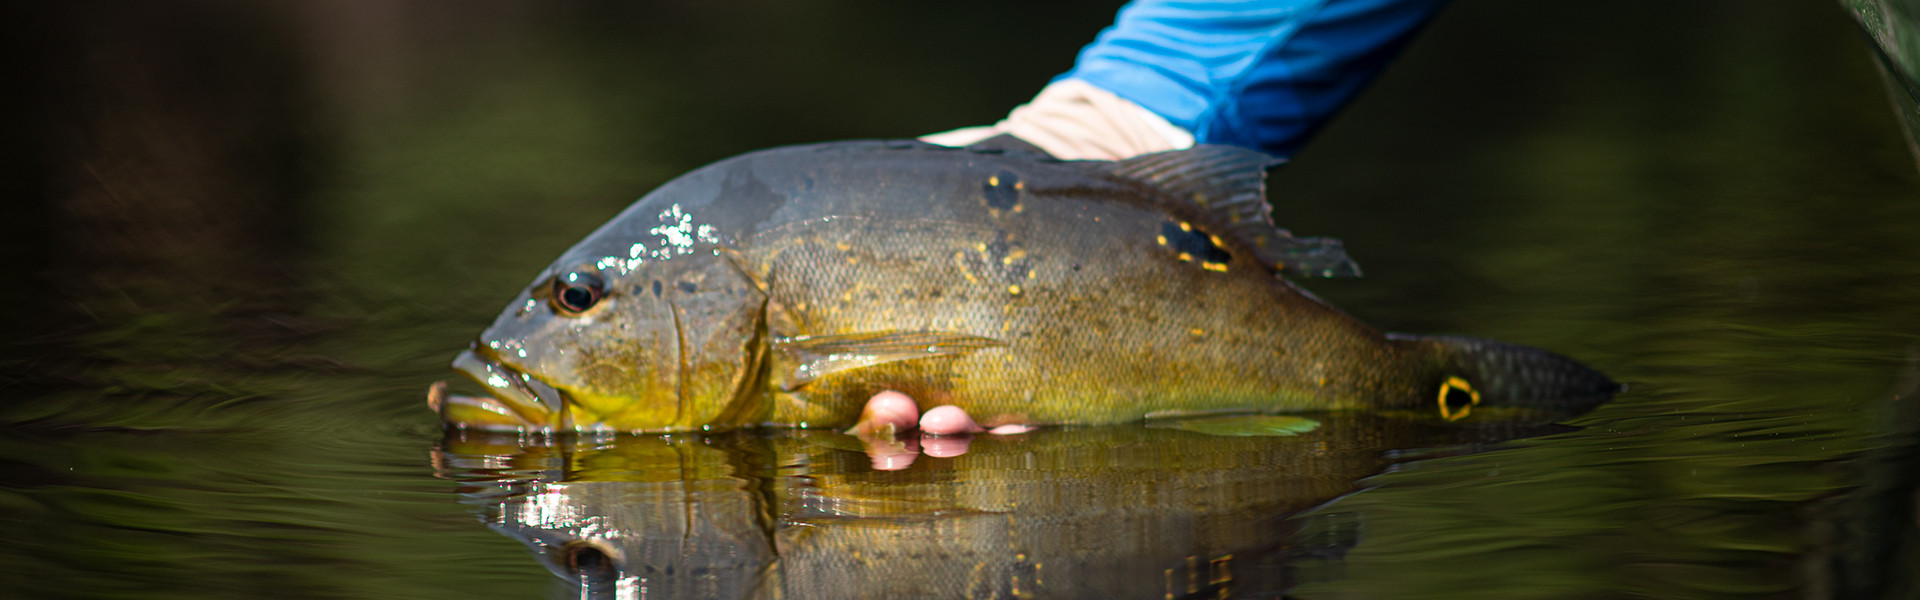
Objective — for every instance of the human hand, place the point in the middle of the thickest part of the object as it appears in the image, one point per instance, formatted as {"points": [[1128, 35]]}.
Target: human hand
{"points": [[895, 431]]}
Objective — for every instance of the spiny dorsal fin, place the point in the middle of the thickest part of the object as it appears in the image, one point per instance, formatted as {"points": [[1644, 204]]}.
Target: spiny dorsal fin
{"points": [[1230, 183]]}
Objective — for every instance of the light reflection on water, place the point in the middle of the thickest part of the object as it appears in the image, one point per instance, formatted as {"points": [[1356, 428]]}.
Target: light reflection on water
{"points": [[1106, 512], [228, 299]]}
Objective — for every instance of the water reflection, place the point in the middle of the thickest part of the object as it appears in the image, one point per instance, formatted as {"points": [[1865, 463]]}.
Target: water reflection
{"points": [[1109, 512]]}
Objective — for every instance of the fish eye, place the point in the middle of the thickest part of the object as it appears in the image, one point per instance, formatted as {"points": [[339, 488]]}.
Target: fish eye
{"points": [[586, 559], [574, 293], [1456, 398]]}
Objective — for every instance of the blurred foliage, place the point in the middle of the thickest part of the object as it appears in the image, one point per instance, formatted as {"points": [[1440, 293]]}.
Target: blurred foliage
{"points": [[249, 235]]}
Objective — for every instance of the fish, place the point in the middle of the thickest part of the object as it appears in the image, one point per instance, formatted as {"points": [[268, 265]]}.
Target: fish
{"points": [[784, 287], [1125, 511]]}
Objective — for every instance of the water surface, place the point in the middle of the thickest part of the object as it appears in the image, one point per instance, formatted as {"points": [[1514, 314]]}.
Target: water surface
{"points": [[242, 240]]}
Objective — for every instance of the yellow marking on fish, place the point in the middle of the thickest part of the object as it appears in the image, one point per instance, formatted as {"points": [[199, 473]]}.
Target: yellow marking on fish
{"points": [[1322, 381], [1016, 254], [1214, 266], [993, 180], [853, 260], [1185, 226], [1032, 274], [980, 247], [1161, 238], [960, 262], [843, 246], [1019, 185], [1216, 240], [1019, 207], [1197, 332], [1454, 384], [1185, 257], [1013, 289]]}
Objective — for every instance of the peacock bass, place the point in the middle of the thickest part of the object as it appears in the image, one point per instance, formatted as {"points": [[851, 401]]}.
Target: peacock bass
{"points": [[786, 286]]}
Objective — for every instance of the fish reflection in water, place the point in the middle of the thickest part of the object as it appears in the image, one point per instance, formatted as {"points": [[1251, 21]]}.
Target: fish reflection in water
{"points": [[1103, 512]]}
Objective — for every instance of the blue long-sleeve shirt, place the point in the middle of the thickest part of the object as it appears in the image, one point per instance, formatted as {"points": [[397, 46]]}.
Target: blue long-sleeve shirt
{"points": [[1262, 74]]}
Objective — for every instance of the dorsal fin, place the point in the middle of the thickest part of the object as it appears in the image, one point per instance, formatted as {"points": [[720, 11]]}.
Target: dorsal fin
{"points": [[1230, 183]]}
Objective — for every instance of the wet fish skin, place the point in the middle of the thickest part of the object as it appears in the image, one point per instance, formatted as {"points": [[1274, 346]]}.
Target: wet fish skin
{"points": [[786, 286]]}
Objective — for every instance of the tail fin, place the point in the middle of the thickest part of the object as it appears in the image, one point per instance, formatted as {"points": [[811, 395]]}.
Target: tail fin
{"points": [[1500, 374]]}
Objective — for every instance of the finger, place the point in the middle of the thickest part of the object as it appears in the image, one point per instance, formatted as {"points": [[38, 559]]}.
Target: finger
{"points": [[947, 420], [887, 414]]}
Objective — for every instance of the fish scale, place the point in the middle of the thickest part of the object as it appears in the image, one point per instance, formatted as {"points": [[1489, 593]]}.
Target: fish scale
{"points": [[787, 286]]}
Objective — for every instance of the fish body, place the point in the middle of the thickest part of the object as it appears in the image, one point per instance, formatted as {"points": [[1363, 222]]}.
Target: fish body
{"points": [[786, 286]]}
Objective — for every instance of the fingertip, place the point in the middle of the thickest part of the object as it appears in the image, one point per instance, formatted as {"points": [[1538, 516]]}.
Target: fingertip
{"points": [[947, 420], [893, 402], [887, 413]]}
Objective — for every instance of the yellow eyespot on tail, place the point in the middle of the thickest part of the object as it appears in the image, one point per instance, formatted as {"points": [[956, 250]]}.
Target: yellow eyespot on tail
{"points": [[1456, 398]]}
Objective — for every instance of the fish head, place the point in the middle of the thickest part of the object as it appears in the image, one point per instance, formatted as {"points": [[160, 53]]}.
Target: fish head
{"points": [[1462, 376], [621, 335]]}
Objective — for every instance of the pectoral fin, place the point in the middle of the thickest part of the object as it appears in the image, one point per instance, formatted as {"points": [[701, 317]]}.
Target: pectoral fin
{"points": [[821, 355], [1244, 425]]}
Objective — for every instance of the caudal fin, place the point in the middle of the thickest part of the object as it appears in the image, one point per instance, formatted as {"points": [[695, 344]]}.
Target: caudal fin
{"points": [[1496, 373]]}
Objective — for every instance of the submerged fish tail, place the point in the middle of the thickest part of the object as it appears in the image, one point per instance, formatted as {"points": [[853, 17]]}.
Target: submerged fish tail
{"points": [[1472, 372]]}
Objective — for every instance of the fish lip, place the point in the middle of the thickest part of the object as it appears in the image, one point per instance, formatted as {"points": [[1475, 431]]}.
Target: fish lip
{"points": [[538, 404]]}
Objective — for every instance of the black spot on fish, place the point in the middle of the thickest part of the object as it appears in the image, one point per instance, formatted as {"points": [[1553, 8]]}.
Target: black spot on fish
{"points": [[1003, 259], [1002, 191], [1192, 244], [1076, 266], [1019, 271], [744, 204], [1000, 246], [656, 288], [688, 287]]}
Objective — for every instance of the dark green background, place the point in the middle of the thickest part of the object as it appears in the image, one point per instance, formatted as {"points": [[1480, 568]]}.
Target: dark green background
{"points": [[241, 238]]}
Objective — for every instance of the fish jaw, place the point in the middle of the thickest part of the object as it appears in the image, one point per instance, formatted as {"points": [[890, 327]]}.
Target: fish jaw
{"points": [[516, 401]]}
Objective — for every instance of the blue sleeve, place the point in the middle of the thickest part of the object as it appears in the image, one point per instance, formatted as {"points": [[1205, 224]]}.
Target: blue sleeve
{"points": [[1260, 74]]}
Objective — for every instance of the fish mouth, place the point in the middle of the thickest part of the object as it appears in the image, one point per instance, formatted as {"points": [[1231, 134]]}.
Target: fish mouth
{"points": [[517, 401]]}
